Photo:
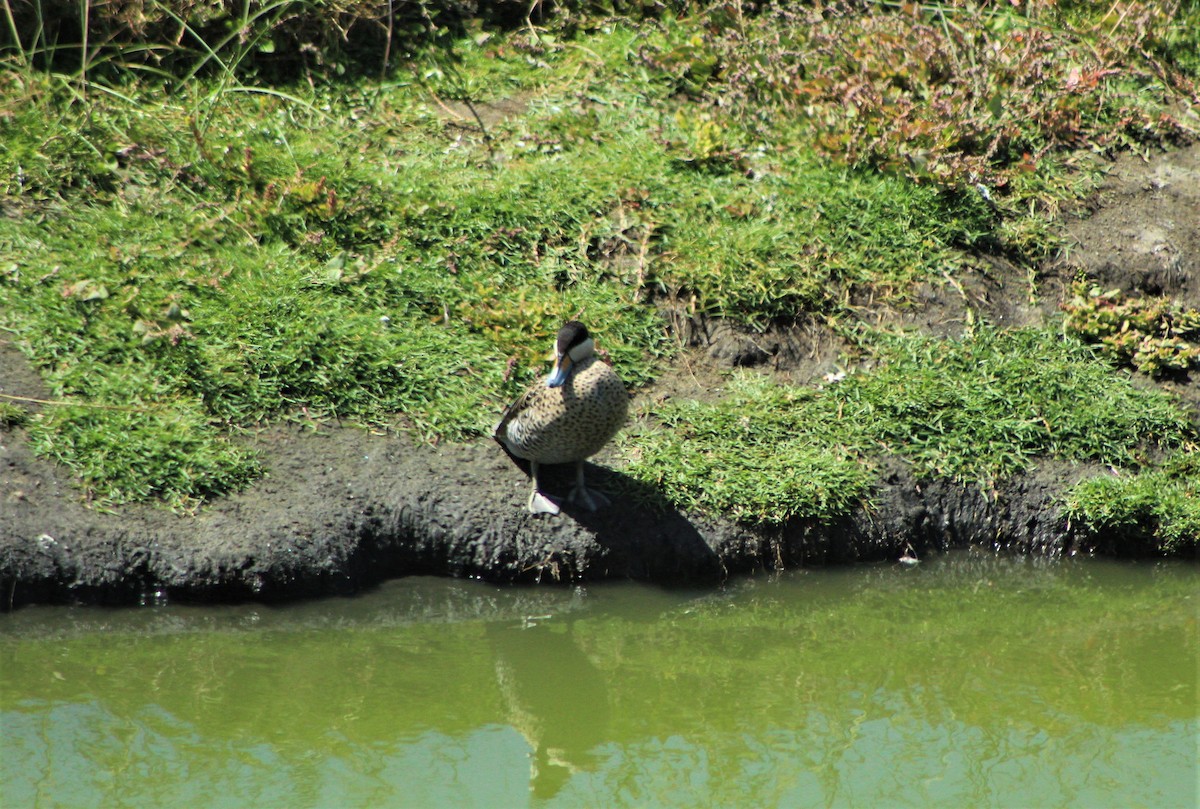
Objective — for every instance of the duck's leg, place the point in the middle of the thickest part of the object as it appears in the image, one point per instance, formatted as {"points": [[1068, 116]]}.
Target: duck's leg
{"points": [[581, 494], [538, 502]]}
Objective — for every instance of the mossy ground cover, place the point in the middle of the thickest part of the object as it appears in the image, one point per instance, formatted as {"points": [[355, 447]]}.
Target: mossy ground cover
{"points": [[192, 248]]}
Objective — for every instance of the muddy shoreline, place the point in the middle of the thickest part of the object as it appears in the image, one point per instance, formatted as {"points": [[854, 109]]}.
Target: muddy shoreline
{"points": [[341, 509], [344, 509]]}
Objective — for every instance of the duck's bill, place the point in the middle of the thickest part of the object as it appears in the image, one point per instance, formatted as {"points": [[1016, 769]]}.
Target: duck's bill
{"points": [[561, 369]]}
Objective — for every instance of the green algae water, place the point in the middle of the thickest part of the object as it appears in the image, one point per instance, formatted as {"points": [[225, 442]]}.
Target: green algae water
{"points": [[965, 681]]}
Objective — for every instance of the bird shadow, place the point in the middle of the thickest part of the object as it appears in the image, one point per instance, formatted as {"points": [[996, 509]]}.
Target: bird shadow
{"points": [[643, 534]]}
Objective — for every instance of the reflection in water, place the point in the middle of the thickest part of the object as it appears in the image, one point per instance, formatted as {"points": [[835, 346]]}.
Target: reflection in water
{"points": [[966, 681], [554, 696]]}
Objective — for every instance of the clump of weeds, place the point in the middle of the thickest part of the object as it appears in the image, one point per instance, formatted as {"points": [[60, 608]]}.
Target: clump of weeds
{"points": [[1157, 336]]}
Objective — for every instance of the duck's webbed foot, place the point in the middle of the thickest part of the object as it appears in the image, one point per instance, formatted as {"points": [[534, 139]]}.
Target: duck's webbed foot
{"points": [[591, 499], [539, 503], [542, 504]]}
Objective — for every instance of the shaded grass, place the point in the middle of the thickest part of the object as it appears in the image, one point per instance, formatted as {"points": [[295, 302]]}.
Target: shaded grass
{"points": [[976, 410], [958, 93], [12, 415]]}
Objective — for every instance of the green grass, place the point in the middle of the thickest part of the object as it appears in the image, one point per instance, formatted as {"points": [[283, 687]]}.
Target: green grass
{"points": [[976, 410], [1158, 504], [12, 415], [983, 408], [190, 249], [386, 273], [766, 454], [165, 452]]}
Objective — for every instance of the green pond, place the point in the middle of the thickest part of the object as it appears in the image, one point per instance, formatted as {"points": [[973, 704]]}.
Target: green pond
{"points": [[968, 680]]}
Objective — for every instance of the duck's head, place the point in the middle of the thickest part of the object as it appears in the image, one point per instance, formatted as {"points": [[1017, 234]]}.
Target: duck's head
{"points": [[573, 346]]}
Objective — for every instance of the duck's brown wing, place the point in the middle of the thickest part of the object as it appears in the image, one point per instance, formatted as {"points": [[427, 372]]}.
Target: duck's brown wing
{"points": [[502, 426], [509, 412]]}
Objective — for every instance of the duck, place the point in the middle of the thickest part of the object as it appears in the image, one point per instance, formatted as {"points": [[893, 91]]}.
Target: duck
{"points": [[566, 418]]}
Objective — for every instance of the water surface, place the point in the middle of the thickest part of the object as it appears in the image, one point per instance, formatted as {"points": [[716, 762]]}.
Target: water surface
{"points": [[964, 681]]}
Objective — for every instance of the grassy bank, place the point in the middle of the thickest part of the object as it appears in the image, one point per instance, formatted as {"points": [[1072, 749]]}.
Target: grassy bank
{"points": [[976, 410], [194, 246]]}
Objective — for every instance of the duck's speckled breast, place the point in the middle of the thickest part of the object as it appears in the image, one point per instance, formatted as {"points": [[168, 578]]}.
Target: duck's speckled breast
{"points": [[568, 423]]}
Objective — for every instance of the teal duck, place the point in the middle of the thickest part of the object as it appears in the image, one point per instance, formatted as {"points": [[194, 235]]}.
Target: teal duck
{"points": [[567, 418]]}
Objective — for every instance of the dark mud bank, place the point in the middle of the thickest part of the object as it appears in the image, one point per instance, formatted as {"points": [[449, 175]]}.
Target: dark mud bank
{"points": [[343, 510]]}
